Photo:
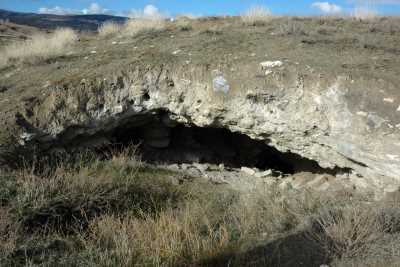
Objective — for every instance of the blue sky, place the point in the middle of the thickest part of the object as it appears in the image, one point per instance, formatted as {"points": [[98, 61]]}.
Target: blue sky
{"points": [[195, 7]]}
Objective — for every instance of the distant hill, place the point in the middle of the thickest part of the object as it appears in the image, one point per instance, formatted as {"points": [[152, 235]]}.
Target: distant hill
{"points": [[48, 21]]}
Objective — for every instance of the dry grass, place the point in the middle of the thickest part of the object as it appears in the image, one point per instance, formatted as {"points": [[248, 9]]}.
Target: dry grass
{"points": [[135, 26], [173, 237], [132, 27], [39, 47], [110, 28], [184, 23], [120, 212], [256, 15]]}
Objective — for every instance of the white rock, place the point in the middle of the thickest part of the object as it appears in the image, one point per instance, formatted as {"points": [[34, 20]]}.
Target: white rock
{"points": [[185, 166], [362, 113], [398, 109], [176, 52], [389, 100], [392, 157], [117, 109], [271, 64], [248, 171], [264, 174], [220, 84], [201, 167], [93, 52], [221, 167], [268, 72]]}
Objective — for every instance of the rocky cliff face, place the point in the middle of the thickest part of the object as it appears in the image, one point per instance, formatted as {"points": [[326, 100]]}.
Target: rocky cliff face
{"points": [[338, 120]]}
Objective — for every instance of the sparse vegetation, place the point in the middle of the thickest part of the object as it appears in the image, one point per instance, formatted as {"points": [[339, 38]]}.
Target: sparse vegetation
{"points": [[121, 212], [39, 47], [256, 16]]}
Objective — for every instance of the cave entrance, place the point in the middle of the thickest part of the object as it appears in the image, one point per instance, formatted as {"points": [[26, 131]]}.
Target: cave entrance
{"points": [[170, 143]]}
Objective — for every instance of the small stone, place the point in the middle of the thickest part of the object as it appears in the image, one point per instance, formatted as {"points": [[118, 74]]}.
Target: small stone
{"points": [[248, 171], [176, 52], [271, 64], [93, 52], [220, 84], [173, 167], [268, 72], [398, 109], [201, 167], [185, 166], [221, 167], [389, 100], [114, 43], [362, 113], [264, 174]]}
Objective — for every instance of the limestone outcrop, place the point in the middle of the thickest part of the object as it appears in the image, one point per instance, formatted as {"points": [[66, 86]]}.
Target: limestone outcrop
{"points": [[326, 122]]}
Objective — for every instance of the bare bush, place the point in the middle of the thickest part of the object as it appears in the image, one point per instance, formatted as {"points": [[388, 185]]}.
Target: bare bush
{"points": [[39, 47], [348, 231], [256, 15]]}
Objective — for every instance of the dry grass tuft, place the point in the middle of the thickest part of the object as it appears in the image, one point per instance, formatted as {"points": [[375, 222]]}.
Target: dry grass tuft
{"points": [[135, 26], [257, 16], [110, 28], [132, 27], [173, 237], [39, 47]]}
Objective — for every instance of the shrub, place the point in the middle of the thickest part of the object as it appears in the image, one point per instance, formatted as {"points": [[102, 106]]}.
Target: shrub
{"points": [[346, 232], [257, 15], [39, 47]]}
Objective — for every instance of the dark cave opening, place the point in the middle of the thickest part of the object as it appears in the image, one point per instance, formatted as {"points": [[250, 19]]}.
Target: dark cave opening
{"points": [[170, 143]]}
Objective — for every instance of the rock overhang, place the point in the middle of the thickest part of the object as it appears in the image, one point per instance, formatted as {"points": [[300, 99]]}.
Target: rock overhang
{"points": [[338, 119]]}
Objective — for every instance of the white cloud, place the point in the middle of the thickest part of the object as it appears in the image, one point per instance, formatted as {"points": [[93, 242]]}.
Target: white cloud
{"points": [[94, 8], [148, 12], [57, 11], [327, 7]]}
